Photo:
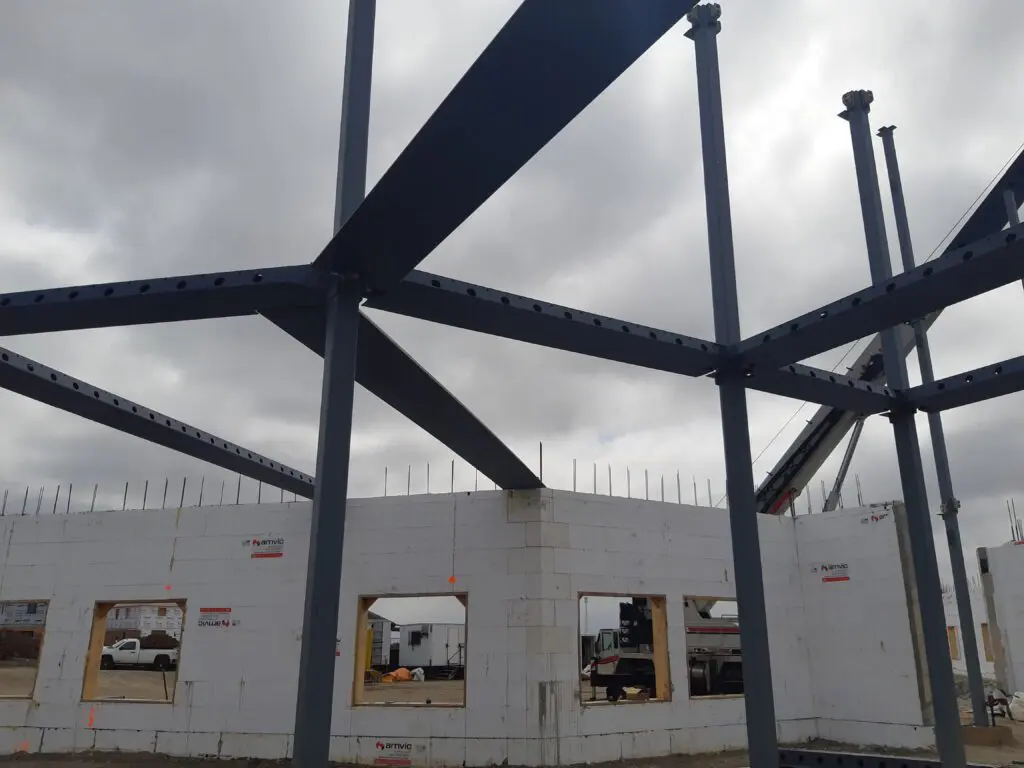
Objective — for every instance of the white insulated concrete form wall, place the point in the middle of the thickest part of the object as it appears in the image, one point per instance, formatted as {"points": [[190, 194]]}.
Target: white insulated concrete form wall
{"points": [[841, 651], [1002, 578]]}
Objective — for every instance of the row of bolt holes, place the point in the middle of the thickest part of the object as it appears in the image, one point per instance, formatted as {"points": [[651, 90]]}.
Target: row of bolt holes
{"points": [[95, 393], [144, 288], [966, 256], [850, 382], [568, 315]]}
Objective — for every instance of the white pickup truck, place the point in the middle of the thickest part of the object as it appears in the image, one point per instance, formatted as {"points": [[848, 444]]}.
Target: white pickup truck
{"points": [[130, 653]]}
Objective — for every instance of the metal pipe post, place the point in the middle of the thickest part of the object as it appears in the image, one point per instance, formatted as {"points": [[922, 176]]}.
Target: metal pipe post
{"points": [[314, 703], [950, 504], [759, 698], [948, 738]]}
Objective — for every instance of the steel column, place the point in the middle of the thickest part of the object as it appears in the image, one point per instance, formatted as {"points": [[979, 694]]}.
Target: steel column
{"points": [[746, 547], [1012, 207], [948, 738], [950, 504], [315, 700]]}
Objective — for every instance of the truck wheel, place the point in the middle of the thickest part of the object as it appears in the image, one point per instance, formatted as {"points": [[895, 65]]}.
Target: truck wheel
{"points": [[107, 662], [162, 662]]}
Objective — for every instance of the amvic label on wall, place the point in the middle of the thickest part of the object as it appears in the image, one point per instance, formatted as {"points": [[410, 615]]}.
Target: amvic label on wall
{"points": [[397, 753], [834, 572], [261, 547]]}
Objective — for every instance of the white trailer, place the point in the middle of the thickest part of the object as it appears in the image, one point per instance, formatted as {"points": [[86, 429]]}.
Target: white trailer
{"points": [[434, 647]]}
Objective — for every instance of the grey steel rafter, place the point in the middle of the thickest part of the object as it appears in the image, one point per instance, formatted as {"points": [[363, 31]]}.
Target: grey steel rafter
{"points": [[961, 274], [34, 380], [544, 67], [386, 370]]}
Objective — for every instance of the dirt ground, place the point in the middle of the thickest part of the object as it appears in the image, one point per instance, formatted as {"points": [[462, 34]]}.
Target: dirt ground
{"points": [[113, 683], [427, 692]]}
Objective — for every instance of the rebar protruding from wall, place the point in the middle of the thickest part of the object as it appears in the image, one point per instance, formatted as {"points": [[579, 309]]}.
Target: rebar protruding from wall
{"points": [[181, 502], [145, 495], [95, 490], [24, 503], [3, 509], [56, 498]]}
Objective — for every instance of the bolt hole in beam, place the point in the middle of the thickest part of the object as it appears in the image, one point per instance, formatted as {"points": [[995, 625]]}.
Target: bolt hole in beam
{"points": [[31, 379], [171, 299]]}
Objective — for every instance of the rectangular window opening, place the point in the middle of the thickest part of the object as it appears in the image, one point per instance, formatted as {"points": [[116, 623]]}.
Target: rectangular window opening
{"points": [[714, 664], [134, 650], [623, 649], [411, 651], [22, 628]]}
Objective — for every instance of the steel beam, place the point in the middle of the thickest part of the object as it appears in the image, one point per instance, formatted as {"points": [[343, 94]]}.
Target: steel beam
{"points": [[982, 266], [478, 308], [835, 496], [386, 370], [543, 68], [499, 313], [827, 427], [45, 385], [950, 504], [969, 387], [929, 589], [162, 300], [314, 701], [804, 758], [759, 700]]}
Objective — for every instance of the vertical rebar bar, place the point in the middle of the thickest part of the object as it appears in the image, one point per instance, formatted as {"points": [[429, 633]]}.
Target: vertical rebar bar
{"points": [[95, 490], [145, 494], [3, 509], [574, 475], [223, 483], [24, 503], [238, 492], [181, 502], [259, 492], [167, 484], [56, 498], [408, 482], [202, 487], [385, 481], [453, 475]]}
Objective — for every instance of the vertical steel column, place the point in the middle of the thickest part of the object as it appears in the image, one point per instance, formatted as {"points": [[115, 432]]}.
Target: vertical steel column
{"points": [[948, 738], [950, 504], [746, 547], [314, 703]]}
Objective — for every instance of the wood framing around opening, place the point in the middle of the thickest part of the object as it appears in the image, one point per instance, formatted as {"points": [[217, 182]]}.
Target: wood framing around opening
{"points": [[361, 650], [21, 630], [97, 634], [660, 651]]}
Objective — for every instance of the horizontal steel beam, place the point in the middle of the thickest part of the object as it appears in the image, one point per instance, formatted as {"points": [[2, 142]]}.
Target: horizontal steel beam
{"points": [[974, 386], [499, 313], [958, 275], [802, 382], [46, 385], [820, 758], [163, 300], [386, 370]]}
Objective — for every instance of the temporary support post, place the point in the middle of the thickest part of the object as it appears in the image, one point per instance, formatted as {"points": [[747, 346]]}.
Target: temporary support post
{"points": [[950, 504], [836, 495], [746, 547], [948, 738], [314, 704]]}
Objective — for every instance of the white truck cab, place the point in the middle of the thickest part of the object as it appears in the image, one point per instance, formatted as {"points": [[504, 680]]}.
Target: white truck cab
{"points": [[131, 653]]}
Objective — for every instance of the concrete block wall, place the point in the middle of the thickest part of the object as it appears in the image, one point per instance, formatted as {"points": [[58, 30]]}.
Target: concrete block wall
{"points": [[523, 559], [862, 655], [1003, 586]]}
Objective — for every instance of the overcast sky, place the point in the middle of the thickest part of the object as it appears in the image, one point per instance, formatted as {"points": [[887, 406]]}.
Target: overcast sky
{"points": [[143, 139]]}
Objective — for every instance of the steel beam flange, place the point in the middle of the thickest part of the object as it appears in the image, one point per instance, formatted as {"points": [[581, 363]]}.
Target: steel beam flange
{"points": [[956, 276], [970, 387], [501, 313], [27, 377], [160, 300]]}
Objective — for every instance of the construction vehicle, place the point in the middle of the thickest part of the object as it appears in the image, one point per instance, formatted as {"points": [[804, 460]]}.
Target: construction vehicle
{"points": [[625, 657]]}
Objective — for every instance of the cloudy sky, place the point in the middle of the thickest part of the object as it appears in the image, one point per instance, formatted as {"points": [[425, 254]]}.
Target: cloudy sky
{"points": [[146, 139]]}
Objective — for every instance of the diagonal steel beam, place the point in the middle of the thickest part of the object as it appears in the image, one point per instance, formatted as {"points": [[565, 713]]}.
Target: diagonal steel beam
{"points": [[478, 308], [161, 300], [969, 387], [960, 274], [45, 385], [386, 370], [549, 61]]}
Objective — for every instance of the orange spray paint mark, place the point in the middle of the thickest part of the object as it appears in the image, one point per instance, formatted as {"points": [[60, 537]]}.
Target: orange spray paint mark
{"points": [[23, 747], [168, 587], [92, 717], [451, 579]]}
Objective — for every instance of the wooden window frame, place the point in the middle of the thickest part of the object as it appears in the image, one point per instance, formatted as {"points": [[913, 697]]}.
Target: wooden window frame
{"points": [[363, 605], [97, 633], [659, 630]]}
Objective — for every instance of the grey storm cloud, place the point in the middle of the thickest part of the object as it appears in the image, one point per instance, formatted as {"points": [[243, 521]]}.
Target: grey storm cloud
{"points": [[138, 139]]}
